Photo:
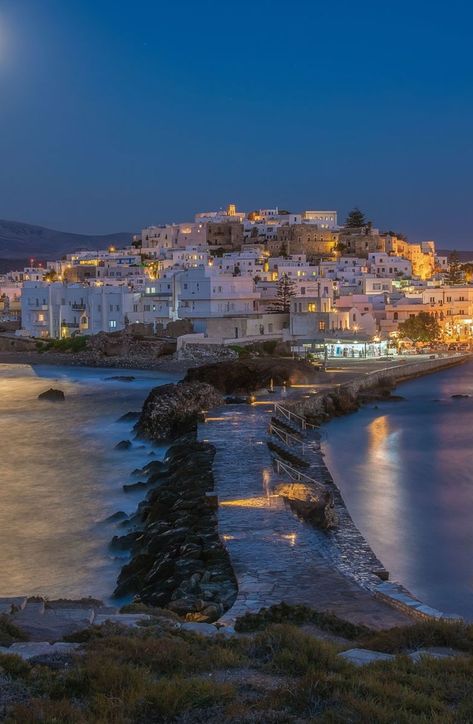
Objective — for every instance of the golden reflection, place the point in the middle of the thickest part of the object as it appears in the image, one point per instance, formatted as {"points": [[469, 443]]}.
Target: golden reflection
{"points": [[249, 502], [290, 537], [378, 432]]}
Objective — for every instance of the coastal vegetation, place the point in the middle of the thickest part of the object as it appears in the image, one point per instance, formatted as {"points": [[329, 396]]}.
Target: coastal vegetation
{"points": [[283, 672]]}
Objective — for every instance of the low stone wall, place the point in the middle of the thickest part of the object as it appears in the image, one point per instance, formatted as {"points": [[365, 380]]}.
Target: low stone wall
{"points": [[315, 405]]}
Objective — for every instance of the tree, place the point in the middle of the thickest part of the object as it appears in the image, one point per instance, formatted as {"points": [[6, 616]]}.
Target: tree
{"points": [[454, 274], [285, 291], [283, 250], [355, 219], [467, 270], [421, 328]]}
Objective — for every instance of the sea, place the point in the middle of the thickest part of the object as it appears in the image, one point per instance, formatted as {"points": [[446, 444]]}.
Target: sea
{"points": [[61, 476], [405, 470]]}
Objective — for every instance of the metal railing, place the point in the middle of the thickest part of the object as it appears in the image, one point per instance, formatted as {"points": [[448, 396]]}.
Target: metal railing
{"points": [[289, 415], [293, 473], [286, 436]]}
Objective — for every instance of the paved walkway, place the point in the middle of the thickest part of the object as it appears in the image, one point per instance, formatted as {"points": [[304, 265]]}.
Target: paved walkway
{"points": [[276, 556]]}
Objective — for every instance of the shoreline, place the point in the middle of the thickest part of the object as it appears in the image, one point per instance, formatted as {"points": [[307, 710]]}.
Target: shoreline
{"points": [[62, 359], [392, 592]]}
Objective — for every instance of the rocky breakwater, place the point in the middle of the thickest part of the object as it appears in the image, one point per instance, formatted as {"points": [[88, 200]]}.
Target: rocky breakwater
{"points": [[177, 559], [249, 375]]}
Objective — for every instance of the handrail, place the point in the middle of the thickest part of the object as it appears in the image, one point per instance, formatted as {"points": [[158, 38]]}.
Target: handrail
{"points": [[284, 435], [289, 415], [293, 473]]}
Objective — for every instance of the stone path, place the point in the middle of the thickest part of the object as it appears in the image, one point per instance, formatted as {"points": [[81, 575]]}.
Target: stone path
{"points": [[276, 556]]}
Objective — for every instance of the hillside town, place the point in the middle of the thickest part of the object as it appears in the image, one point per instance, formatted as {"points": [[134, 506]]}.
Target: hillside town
{"points": [[236, 278]]}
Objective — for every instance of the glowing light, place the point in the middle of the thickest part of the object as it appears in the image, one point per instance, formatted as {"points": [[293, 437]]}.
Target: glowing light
{"points": [[248, 502]]}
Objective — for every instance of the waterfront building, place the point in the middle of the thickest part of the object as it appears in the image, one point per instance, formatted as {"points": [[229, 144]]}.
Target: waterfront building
{"points": [[61, 310]]}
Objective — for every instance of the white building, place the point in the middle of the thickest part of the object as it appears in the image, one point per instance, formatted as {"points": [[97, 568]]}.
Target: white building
{"points": [[61, 310], [204, 294]]}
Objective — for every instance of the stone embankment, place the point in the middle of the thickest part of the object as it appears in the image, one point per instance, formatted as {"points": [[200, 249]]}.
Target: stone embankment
{"points": [[348, 397]]}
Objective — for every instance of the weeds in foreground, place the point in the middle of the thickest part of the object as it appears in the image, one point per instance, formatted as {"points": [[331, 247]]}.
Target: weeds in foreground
{"points": [[278, 674]]}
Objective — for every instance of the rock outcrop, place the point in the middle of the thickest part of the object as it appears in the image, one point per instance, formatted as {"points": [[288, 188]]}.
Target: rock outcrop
{"points": [[173, 410], [243, 376], [52, 395], [178, 561], [316, 508]]}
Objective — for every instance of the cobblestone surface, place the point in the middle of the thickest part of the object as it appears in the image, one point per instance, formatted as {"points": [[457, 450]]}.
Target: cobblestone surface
{"points": [[276, 556]]}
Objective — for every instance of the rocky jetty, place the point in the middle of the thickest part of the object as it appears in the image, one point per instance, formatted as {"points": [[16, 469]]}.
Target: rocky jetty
{"points": [[249, 375], [178, 561], [173, 410], [52, 395]]}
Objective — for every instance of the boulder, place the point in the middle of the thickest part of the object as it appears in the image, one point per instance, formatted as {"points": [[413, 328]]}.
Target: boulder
{"points": [[129, 417], [123, 445], [52, 395], [172, 410]]}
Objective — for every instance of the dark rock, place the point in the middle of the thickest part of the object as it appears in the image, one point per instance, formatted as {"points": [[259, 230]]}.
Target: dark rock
{"points": [[125, 542], [123, 445], [129, 417], [119, 515], [122, 378], [173, 410], [249, 375], [459, 397], [133, 487], [52, 395], [235, 400]]}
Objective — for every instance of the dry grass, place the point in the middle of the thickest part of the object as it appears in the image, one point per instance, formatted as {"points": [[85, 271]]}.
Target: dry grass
{"points": [[149, 675]]}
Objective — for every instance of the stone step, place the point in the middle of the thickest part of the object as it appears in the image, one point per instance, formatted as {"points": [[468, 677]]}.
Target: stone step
{"points": [[84, 615], [30, 649]]}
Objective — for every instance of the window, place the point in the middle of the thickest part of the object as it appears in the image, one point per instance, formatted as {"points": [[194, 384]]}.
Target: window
{"points": [[112, 324], [312, 307], [321, 326]]}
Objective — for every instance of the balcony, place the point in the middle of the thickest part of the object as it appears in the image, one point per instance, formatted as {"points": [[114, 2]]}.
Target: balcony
{"points": [[78, 306]]}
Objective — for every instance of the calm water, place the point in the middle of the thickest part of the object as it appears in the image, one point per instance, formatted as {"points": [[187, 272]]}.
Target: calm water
{"points": [[60, 477], [406, 473]]}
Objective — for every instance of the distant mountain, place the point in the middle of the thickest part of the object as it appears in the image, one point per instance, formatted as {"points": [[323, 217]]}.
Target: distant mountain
{"points": [[25, 241]]}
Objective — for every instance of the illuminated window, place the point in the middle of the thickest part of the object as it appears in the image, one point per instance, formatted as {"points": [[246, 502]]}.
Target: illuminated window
{"points": [[312, 307]]}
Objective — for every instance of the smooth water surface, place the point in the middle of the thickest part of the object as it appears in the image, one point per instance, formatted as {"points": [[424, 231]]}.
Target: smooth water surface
{"points": [[61, 477], [406, 473]]}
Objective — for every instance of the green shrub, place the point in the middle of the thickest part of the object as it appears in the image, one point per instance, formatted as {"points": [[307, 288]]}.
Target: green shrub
{"points": [[9, 633], [14, 666], [457, 635], [285, 613], [69, 344]]}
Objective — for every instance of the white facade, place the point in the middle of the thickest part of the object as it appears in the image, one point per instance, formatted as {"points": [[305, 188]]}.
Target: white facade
{"points": [[205, 294], [60, 310]]}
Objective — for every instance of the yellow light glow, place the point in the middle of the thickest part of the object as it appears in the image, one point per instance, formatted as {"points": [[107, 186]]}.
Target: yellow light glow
{"points": [[248, 502]]}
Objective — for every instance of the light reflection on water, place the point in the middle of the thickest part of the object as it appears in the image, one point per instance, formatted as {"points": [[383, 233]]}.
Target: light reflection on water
{"points": [[406, 473], [61, 477]]}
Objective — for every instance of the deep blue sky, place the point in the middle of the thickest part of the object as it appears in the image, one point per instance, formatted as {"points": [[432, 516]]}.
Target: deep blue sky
{"points": [[115, 115]]}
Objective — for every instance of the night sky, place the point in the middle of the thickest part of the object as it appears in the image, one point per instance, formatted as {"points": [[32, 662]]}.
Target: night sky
{"points": [[115, 115]]}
